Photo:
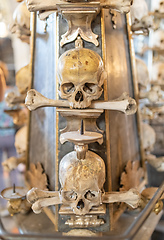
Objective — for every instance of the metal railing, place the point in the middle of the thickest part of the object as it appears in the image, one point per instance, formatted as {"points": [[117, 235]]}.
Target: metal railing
{"points": [[129, 234]]}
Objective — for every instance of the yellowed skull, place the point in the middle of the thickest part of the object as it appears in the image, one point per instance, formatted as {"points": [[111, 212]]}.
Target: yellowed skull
{"points": [[81, 181], [81, 76]]}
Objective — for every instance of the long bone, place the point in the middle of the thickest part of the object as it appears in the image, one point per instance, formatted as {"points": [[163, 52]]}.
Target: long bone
{"points": [[40, 199], [12, 98], [122, 6], [124, 104]]}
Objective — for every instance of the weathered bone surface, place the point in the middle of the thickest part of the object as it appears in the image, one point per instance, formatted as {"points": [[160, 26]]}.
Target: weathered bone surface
{"points": [[132, 176], [147, 114], [149, 193], [155, 95], [23, 79], [142, 73], [19, 115], [148, 137], [157, 39], [140, 18], [21, 23], [131, 198], [36, 177], [12, 163], [122, 6], [81, 75], [158, 6], [158, 73], [127, 105], [156, 162], [81, 187], [12, 99]]}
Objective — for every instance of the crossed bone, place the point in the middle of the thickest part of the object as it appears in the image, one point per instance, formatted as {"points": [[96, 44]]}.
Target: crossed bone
{"points": [[123, 104], [40, 199]]}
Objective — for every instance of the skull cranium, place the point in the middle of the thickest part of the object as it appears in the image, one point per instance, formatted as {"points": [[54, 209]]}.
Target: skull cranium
{"points": [[158, 39], [81, 181], [81, 76], [158, 6], [158, 72]]}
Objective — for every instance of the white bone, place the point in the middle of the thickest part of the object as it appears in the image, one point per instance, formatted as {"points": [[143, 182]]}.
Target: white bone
{"points": [[12, 162], [35, 194], [142, 73], [122, 6], [131, 197], [158, 5], [124, 104], [42, 203], [148, 137], [12, 98], [21, 23], [40, 199], [157, 73], [156, 162]]}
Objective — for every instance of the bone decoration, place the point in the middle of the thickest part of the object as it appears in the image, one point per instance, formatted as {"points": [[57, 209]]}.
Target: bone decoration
{"points": [[36, 100], [19, 115], [158, 73], [140, 16], [23, 77], [155, 95], [158, 6], [14, 98], [132, 176], [157, 39], [122, 6], [21, 146], [156, 162], [148, 137], [81, 75], [142, 74], [21, 23], [81, 187]]}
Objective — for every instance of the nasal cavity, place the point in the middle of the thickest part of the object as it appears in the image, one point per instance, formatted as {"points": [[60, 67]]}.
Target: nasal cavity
{"points": [[79, 96], [80, 204]]}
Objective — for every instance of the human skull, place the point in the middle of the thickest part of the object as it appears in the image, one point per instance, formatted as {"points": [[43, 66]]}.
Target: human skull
{"points": [[81, 181], [142, 73], [158, 6], [139, 15], [23, 77], [81, 76], [21, 141], [157, 39], [158, 73]]}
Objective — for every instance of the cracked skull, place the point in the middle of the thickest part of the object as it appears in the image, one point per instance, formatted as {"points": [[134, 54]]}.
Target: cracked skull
{"points": [[81, 76], [81, 181]]}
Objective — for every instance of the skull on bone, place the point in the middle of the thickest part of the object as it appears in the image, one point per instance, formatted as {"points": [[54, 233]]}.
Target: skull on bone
{"points": [[158, 6], [158, 73], [21, 23], [81, 76], [139, 15], [21, 141], [81, 181], [157, 39]]}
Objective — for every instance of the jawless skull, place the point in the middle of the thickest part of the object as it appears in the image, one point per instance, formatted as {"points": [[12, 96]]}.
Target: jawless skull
{"points": [[81, 76], [81, 181]]}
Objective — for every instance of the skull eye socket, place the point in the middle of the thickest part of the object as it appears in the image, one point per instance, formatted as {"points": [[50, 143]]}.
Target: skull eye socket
{"points": [[89, 87], [162, 40], [68, 88], [71, 195], [89, 195]]}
